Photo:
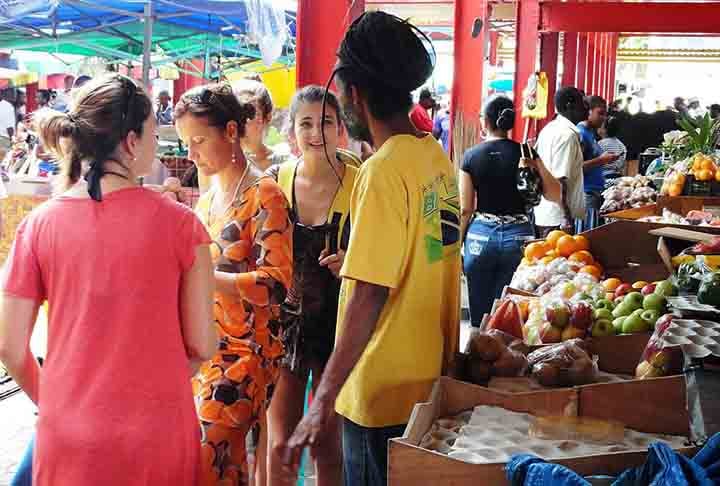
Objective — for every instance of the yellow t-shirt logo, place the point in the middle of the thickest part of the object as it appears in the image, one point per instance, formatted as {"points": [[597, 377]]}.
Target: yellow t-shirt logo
{"points": [[441, 214]]}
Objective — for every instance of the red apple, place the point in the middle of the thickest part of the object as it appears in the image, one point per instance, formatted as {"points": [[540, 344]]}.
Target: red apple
{"points": [[648, 289], [550, 334], [581, 316], [623, 289]]}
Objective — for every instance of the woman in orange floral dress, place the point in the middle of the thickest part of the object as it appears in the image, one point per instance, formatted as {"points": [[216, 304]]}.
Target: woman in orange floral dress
{"points": [[246, 215]]}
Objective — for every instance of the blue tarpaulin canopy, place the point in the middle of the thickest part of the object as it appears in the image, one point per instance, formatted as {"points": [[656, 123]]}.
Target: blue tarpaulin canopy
{"points": [[167, 30]]}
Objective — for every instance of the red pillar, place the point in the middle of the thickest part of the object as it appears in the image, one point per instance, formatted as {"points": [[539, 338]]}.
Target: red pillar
{"points": [[606, 68], [30, 94], [599, 86], [570, 54], [582, 62], [494, 42], [318, 36], [187, 81], [527, 17], [615, 40], [469, 53], [549, 45], [591, 82]]}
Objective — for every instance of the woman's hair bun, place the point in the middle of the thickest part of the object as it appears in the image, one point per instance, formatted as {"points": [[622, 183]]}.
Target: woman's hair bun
{"points": [[506, 120]]}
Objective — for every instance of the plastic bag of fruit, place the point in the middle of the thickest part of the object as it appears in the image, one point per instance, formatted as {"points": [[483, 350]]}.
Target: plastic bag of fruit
{"points": [[494, 353], [564, 364], [655, 360]]}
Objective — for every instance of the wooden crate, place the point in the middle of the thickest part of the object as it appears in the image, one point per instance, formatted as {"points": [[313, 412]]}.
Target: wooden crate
{"points": [[633, 213], [410, 465]]}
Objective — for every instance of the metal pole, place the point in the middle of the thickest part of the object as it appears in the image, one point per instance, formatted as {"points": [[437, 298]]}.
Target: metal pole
{"points": [[147, 42]]}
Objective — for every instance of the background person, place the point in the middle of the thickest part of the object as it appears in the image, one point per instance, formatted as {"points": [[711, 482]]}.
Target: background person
{"points": [[492, 209], [253, 142], [90, 429], [419, 115], [164, 111], [560, 150]]}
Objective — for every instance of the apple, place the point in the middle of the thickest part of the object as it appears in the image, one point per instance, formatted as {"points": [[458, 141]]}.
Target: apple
{"points": [[581, 315], [550, 334], [665, 288], [618, 324], [634, 323], [648, 289], [602, 314], [623, 289], [622, 310], [558, 315], [602, 327], [655, 302], [618, 301], [634, 300], [639, 284], [651, 316], [604, 304], [573, 332]]}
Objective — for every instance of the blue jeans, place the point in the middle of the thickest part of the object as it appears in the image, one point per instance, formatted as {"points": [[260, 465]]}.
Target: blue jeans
{"points": [[492, 253], [365, 453], [593, 202], [23, 475]]}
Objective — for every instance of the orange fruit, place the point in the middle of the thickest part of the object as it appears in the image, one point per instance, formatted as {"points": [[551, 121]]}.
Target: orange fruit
{"points": [[593, 270], [525, 261], [554, 236], [704, 175], [582, 242], [639, 284], [611, 284], [717, 176], [547, 259], [566, 246], [675, 190], [582, 256], [707, 164], [535, 251], [551, 253]]}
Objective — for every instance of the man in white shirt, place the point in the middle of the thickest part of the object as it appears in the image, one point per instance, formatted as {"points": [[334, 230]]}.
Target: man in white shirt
{"points": [[559, 148]]}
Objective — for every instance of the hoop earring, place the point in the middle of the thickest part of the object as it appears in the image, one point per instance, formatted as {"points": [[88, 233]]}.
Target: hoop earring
{"points": [[234, 154]]}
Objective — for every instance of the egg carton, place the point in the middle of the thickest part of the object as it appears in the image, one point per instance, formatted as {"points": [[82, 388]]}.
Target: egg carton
{"points": [[689, 303], [491, 435], [697, 338]]}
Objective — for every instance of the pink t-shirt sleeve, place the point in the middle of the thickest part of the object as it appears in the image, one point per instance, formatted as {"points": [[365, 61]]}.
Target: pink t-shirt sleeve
{"points": [[190, 235], [21, 275]]}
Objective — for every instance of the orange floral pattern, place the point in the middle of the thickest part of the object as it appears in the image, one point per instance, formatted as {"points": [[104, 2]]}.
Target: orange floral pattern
{"points": [[254, 241]]}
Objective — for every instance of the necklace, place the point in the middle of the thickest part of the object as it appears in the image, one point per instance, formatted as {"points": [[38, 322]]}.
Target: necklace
{"points": [[232, 200]]}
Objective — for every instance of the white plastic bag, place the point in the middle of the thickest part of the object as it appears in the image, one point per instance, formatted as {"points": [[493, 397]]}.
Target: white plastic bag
{"points": [[267, 27]]}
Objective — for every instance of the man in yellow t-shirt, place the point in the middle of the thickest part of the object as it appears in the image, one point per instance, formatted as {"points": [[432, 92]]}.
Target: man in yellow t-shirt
{"points": [[400, 296]]}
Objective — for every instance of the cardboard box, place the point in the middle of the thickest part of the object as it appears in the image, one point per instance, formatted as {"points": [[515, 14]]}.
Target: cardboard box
{"points": [[410, 465]]}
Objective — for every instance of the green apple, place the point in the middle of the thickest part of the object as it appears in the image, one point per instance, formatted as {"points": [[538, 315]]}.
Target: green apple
{"points": [[602, 327], [618, 324], [655, 302], [665, 288], [622, 310], [634, 323], [634, 300], [604, 304], [651, 316], [602, 314]]}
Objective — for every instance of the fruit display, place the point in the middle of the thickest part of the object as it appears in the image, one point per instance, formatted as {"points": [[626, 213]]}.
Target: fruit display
{"points": [[704, 167], [563, 364], [494, 353], [628, 192], [692, 218], [559, 258], [507, 318], [655, 359]]}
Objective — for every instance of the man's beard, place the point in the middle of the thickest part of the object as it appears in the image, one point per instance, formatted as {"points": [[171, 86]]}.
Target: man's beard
{"points": [[355, 127]]}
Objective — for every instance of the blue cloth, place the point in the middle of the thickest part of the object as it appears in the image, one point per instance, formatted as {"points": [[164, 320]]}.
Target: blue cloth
{"points": [[492, 253], [23, 475], [594, 178], [365, 453], [441, 128], [662, 467]]}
